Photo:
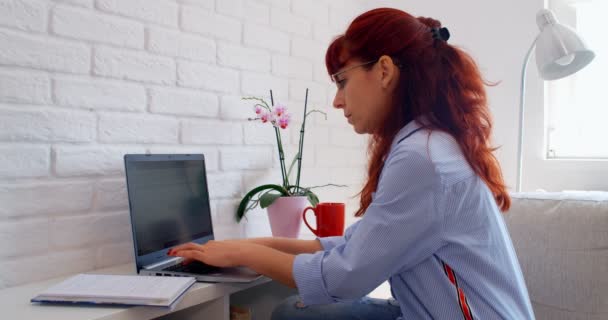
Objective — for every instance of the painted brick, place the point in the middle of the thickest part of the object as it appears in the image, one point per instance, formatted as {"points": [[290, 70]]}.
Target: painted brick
{"points": [[290, 151], [265, 37], [346, 138], [307, 48], [321, 75], [231, 55], [347, 176], [258, 84], [183, 102], [211, 132], [246, 158], [314, 135], [341, 14], [207, 4], [23, 270], [24, 87], [224, 185], [44, 199], [225, 213], [47, 125], [352, 157], [87, 25], [87, 230], [316, 92], [95, 94], [315, 10], [157, 11], [111, 194], [44, 53], [131, 65], [80, 3], [177, 44], [121, 128], [283, 20], [258, 133], [33, 237], [204, 76], [285, 4], [114, 254], [254, 178], [235, 108], [291, 67], [87, 160], [24, 161], [247, 10], [324, 33], [24, 14], [206, 22]]}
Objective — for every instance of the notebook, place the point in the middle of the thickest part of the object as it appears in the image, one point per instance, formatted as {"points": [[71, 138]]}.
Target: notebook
{"points": [[169, 205], [117, 289]]}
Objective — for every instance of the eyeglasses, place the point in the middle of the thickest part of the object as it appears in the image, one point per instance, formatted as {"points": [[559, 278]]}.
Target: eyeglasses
{"points": [[335, 77]]}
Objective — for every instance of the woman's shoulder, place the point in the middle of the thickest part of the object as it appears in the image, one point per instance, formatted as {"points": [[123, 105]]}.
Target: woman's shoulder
{"points": [[435, 149]]}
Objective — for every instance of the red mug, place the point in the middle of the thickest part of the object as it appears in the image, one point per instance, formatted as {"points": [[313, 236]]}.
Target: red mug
{"points": [[330, 219]]}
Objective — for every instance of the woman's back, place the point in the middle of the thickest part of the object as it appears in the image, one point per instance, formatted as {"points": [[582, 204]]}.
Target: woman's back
{"points": [[473, 269]]}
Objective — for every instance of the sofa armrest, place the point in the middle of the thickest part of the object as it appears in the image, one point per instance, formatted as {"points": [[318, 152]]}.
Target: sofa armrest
{"points": [[561, 240]]}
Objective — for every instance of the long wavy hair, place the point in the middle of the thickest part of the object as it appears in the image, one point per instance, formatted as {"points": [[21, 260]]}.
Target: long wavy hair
{"points": [[439, 81]]}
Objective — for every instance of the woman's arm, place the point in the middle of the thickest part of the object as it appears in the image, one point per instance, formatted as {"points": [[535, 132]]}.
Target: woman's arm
{"points": [[270, 262], [287, 245]]}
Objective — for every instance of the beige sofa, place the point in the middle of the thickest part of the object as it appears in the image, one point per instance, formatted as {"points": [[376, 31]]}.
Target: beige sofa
{"points": [[561, 241]]}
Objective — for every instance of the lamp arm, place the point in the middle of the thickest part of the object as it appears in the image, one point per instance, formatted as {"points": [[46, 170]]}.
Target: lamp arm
{"points": [[521, 115]]}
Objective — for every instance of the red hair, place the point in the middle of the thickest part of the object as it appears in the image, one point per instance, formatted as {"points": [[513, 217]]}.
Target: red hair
{"points": [[439, 81]]}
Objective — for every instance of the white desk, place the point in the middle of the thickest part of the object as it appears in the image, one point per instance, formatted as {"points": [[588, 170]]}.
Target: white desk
{"points": [[203, 301]]}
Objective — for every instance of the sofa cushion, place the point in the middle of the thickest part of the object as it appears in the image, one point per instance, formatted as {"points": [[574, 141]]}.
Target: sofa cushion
{"points": [[561, 240]]}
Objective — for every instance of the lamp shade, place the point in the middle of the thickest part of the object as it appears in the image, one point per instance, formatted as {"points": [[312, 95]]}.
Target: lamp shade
{"points": [[560, 52]]}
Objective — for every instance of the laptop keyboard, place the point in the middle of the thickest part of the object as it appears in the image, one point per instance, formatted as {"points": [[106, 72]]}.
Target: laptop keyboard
{"points": [[192, 267]]}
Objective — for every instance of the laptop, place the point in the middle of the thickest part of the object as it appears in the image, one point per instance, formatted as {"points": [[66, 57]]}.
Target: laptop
{"points": [[169, 206]]}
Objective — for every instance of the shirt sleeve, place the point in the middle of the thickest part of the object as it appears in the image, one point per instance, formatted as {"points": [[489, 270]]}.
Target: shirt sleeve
{"points": [[329, 243], [401, 227]]}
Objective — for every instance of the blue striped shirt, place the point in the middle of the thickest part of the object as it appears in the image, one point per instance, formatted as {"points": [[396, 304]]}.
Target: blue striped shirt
{"points": [[433, 230]]}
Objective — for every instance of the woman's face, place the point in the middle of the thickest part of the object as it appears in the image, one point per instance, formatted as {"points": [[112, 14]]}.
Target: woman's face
{"points": [[364, 95]]}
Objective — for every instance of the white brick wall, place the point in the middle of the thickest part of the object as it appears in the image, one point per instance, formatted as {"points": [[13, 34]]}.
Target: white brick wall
{"points": [[83, 82]]}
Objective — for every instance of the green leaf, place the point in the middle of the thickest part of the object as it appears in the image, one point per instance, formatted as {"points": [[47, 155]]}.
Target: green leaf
{"points": [[240, 211], [312, 197], [293, 162], [268, 198]]}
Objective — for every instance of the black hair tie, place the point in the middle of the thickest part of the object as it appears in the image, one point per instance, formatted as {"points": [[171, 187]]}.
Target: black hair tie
{"points": [[442, 34]]}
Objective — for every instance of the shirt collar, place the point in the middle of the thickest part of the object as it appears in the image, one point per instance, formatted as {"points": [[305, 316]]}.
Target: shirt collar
{"points": [[407, 129]]}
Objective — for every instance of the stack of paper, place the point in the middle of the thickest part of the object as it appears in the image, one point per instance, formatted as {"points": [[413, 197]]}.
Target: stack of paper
{"points": [[118, 289]]}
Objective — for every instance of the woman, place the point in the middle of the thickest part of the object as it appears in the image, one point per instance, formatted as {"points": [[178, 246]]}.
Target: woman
{"points": [[431, 222]]}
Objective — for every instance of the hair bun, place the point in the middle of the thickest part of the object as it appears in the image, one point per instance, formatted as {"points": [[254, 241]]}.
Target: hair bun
{"points": [[429, 22], [442, 34]]}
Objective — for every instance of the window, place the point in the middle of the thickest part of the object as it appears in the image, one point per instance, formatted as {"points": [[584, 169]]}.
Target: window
{"points": [[577, 106]]}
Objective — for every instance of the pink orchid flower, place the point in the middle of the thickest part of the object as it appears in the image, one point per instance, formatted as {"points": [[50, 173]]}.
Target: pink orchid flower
{"points": [[283, 121], [265, 116], [257, 109], [279, 110]]}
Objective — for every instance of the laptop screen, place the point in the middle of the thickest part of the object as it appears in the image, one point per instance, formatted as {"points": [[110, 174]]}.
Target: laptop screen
{"points": [[169, 200]]}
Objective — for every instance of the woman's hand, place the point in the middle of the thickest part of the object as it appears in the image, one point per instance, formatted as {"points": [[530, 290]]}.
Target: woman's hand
{"points": [[270, 262], [215, 253]]}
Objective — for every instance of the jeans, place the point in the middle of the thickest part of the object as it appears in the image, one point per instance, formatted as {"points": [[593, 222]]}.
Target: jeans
{"points": [[362, 309]]}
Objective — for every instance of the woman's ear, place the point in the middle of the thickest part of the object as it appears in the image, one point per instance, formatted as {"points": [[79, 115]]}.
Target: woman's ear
{"points": [[388, 72]]}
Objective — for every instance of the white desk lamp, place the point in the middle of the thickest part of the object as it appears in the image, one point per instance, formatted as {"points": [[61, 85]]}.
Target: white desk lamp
{"points": [[560, 52]]}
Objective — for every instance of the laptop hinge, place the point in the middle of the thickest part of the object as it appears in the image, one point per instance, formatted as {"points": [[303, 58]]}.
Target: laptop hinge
{"points": [[163, 263]]}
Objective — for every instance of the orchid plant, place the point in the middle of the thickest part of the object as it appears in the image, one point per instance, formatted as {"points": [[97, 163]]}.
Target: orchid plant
{"points": [[264, 195]]}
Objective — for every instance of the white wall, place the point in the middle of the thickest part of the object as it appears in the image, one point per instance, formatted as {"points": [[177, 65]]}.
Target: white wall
{"points": [[83, 82], [498, 34]]}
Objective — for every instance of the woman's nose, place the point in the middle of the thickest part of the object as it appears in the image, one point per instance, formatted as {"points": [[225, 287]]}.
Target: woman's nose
{"points": [[338, 101]]}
